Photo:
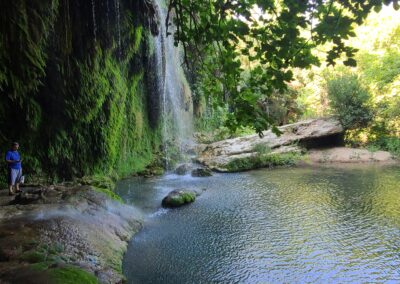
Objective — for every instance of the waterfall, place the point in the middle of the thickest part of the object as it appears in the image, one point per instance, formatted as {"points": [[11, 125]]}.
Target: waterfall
{"points": [[94, 20], [108, 15], [118, 26], [174, 93]]}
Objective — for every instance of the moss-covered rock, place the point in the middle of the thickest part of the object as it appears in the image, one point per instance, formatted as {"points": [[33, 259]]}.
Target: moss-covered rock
{"points": [[177, 198], [33, 256], [98, 181], [152, 171], [201, 172], [111, 194], [182, 169], [71, 275]]}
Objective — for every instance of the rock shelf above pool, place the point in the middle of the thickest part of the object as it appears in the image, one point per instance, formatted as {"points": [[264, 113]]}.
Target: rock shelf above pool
{"points": [[316, 135], [218, 155]]}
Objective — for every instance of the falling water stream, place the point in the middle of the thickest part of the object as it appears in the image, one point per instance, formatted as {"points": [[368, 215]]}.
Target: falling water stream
{"points": [[174, 91], [118, 25], [94, 21]]}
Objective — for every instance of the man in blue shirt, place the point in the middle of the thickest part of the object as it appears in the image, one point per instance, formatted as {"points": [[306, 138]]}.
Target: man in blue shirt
{"points": [[14, 168]]}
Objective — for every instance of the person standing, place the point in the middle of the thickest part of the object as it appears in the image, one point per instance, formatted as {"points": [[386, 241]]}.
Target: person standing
{"points": [[14, 168]]}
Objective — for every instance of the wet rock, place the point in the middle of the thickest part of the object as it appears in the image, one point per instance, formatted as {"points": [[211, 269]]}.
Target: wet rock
{"points": [[201, 172], [29, 196], [182, 169], [152, 171], [177, 198], [78, 226]]}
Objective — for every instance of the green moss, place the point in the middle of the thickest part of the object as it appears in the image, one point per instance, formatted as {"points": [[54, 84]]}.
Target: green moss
{"points": [[103, 184], [23, 54], [33, 256], [111, 194], [81, 104], [176, 200], [263, 160], [152, 170], [40, 266], [42, 253], [98, 181], [179, 198], [201, 172], [188, 197], [71, 275]]}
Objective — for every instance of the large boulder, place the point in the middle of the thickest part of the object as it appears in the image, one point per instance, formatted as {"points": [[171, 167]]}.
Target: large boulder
{"points": [[182, 169], [219, 155], [201, 172], [177, 198]]}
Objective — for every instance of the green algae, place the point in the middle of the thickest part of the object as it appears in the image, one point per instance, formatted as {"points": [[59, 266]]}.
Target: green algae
{"points": [[71, 275]]}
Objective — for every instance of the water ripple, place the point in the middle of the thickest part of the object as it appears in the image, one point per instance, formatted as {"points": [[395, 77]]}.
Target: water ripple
{"points": [[283, 226]]}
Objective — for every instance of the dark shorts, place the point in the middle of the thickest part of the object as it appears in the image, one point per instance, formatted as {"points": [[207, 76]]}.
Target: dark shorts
{"points": [[14, 176]]}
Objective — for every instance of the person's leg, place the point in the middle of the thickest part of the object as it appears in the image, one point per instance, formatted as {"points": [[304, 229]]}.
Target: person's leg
{"points": [[10, 189], [17, 180], [10, 184], [13, 178]]}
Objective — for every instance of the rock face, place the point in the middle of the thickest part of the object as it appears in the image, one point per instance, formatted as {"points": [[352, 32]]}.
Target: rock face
{"points": [[219, 154], [177, 198], [74, 231]]}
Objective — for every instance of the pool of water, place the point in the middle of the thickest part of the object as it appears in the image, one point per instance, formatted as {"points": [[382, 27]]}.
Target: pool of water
{"points": [[292, 225]]}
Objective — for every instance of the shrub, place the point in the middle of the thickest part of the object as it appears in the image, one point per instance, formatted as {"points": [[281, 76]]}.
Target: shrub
{"points": [[262, 148], [350, 101], [263, 160], [387, 143]]}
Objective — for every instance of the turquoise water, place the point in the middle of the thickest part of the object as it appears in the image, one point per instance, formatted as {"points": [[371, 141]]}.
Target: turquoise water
{"points": [[292, 225]]}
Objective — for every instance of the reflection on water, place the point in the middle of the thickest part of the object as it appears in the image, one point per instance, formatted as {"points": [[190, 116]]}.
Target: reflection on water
{"points": [[297, 225]]}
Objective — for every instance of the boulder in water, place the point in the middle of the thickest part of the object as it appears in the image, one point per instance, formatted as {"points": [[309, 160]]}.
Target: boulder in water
{"points": [[177, 198], [182, 169], [201, 172]]}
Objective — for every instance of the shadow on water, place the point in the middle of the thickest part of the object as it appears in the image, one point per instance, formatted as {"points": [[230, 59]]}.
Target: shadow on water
{"points": [[293, 225]]}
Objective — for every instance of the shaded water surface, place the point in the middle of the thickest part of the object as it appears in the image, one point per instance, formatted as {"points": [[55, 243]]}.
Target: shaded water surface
{"points": [[297, 225]]}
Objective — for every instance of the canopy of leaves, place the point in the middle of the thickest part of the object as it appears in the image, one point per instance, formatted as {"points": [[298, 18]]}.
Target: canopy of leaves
{"points": [[268, 37]]}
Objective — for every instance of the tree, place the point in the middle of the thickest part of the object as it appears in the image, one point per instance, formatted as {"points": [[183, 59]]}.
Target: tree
{"points": [[270, 37], [350, 101]]}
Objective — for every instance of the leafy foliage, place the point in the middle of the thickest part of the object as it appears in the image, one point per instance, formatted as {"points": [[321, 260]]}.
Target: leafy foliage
{"points": [[378, 40], [267, 38], [283, 107], [350, 101]]}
